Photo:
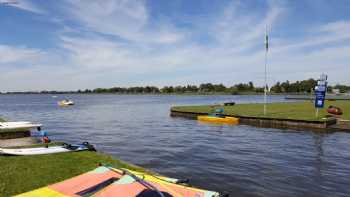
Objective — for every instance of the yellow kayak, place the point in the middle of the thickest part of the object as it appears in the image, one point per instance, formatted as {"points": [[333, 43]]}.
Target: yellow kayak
{"points": [[218, 119]]}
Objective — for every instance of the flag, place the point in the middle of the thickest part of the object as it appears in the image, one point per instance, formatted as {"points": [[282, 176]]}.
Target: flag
{"points": [[267, 42]]}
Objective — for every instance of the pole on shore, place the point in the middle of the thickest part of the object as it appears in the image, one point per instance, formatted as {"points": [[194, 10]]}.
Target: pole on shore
{"points": [[265, 81]]}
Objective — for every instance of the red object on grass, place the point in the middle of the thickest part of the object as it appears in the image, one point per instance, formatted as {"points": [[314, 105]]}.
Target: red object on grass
{"points": [[334, 110]]}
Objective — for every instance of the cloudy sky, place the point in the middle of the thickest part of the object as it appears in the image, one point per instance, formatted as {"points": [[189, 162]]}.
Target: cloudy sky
{"points": [[69, 45]]}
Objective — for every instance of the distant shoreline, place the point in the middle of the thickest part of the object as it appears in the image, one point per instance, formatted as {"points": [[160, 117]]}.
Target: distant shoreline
{"points": [[141, 94], [95, 93], [308, 95], [305, 87]]}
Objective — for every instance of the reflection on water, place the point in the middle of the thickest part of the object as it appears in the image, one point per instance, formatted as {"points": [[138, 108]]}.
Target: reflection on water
{"points": [[242, 160]]}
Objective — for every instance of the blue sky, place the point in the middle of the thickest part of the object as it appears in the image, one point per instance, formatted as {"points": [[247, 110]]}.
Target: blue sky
{"points": [[69, 45]]}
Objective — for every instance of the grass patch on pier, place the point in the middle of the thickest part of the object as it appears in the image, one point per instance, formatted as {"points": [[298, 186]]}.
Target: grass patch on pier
{"points": [[290, 110], [20, 174]]}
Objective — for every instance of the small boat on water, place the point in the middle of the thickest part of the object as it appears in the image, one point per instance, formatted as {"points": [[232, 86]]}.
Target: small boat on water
{"points": [[18, 126], [47, 150], [65, 102], [229, 104], [106, 181], [218, 118]]}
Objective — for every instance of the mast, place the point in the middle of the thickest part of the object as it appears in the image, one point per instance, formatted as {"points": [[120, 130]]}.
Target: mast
{"points": [[265, 81]]}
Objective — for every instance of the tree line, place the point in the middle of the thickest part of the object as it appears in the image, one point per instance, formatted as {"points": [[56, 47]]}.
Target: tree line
{"points": [[202, 88], [304, 86]]}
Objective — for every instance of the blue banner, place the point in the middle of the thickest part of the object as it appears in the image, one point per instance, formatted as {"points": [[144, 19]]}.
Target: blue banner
{"points": [[320, 91], [320, 97]]}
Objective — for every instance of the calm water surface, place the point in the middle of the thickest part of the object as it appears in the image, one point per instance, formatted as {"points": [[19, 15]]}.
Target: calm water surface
{"points": [[241, 160]]}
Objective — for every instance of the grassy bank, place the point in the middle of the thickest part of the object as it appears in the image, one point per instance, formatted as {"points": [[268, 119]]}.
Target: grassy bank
{"points": [[293, 111], [19, 174]]}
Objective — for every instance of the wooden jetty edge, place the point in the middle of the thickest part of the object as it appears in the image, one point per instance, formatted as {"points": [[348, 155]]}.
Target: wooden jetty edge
{"points": [[328, 125], [312, 97]]}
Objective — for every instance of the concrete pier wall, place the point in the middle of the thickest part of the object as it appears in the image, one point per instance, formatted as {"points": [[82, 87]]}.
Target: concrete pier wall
{"points": [[267, 122]]}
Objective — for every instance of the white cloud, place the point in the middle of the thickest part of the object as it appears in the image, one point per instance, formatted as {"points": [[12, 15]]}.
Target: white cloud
{"points": [[240, 30], [26, 5], [125, 19], [11, 54], [328, 33], [338, 27], [121, 18]]}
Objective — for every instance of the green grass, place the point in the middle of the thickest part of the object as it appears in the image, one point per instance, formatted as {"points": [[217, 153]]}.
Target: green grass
{"points": [[20, 174], [294, 111]]}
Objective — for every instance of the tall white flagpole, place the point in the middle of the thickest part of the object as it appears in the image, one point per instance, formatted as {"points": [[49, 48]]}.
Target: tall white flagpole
{"points": [[265, 84]]}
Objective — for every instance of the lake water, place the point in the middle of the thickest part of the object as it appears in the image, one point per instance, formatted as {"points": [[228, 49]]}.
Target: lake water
{"points": [[241, 160]]}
